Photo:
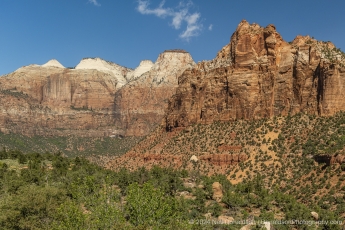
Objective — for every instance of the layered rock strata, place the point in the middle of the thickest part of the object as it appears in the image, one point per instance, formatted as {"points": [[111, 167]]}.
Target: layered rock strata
{"points": [[257, 75], [143, 67], [119, 72], [140, 105], [50, 100]]}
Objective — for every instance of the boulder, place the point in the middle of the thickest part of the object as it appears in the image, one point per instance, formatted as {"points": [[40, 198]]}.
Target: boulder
{"points": [[315, 215], [217, 189], [194, 158]]}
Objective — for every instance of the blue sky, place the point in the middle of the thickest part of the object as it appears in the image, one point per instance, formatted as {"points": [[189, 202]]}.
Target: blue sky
{"points": [[125, 32]]}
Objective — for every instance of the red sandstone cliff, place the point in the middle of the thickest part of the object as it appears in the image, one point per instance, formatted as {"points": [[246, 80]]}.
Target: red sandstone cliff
{"points": [[52, 100], [258, 74], [140, 105]]}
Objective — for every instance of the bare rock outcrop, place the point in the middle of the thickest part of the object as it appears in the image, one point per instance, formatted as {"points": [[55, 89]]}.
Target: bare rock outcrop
{"points": [[224, 159], [217, 189], [140, 105], [53, 63], [143, 67], [119, 72], [330, 159], [257, 75]]}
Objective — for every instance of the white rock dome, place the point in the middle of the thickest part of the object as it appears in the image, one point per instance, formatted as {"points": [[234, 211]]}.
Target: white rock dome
{"points": [[53, 63]]}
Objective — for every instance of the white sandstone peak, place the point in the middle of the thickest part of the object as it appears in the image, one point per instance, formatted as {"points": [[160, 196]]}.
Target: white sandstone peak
{"points": [[170, 64], [144, 66], [165, 71], [146, 63], [99, 64], [53, 63]]}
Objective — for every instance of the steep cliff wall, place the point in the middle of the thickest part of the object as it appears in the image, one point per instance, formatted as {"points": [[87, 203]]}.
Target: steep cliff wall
{"points": [[57, 101], [53, 100], [258, 75], [140, 105]]}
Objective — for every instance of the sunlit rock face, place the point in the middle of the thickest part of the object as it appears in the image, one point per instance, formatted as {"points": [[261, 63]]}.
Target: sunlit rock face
{"points": [[53, 63], [119, 72], [140, 105], [143, 67], [52, 100], [258, 74]]}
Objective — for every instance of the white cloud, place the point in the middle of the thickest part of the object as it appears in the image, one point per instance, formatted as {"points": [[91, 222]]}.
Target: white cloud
{"points": [[179, 16], [210, 27], [159, 11], [94, 2]]}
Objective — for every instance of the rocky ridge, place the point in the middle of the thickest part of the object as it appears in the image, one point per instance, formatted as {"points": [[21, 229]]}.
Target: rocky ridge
{"points": [[257, 75]]}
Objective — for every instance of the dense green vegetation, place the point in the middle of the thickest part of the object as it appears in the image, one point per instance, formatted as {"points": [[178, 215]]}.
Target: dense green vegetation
{"points": [[68, 145], [48, 191]]}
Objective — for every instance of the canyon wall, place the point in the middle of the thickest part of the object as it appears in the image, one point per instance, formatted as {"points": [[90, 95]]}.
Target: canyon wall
{"points": [[52, 100], [257, 75], [140, 105]]}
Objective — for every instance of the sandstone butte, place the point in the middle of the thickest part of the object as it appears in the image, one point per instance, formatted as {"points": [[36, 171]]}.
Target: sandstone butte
{"points": [[257, 75]]}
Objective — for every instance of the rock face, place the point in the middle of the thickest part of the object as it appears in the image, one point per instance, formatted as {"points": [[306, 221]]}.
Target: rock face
{"points": [[140, 105], [217, 191], [143, 67], [99, 64], [330, 159], [53, 100], [37, 100], [224, 159], [259, 75], [53, 63]]}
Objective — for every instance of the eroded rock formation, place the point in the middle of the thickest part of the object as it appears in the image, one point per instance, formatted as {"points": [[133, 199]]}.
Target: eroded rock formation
{"points": [[217, 190], [143, 67], [119, 72], [224, 159], [51, 100], [258, 74], [140, 105]]}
